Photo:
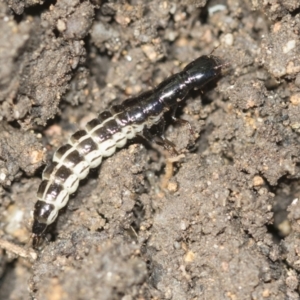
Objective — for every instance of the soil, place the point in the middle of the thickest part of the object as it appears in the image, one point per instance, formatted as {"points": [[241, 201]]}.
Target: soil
{"points": [[223, 221]]}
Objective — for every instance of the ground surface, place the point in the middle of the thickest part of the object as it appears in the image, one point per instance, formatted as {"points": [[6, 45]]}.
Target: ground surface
{"points": [[226, 223]]}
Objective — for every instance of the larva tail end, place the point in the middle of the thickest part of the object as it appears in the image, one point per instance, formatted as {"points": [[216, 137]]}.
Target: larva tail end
{"points": [[38, 230]]}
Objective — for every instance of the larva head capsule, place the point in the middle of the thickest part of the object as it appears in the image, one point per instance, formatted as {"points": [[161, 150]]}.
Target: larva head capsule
{"points": [[202, 70]]}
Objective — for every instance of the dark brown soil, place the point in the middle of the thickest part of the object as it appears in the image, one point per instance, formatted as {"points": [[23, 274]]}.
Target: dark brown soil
{"points": [[226, 225]]}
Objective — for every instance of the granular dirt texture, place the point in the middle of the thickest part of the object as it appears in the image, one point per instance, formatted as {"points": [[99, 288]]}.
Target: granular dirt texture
{"points": [[221, 220]]}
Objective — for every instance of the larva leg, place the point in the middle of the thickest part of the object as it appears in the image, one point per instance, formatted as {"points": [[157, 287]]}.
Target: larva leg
{"points": [[159, 140], [181, 121]]}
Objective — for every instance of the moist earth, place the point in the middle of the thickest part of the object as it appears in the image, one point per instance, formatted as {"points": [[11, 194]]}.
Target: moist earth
{"points": [[219, 221]]}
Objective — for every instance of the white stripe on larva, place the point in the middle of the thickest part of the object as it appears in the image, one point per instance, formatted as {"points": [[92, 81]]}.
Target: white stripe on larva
{"points": [[138, 128], [128, 132], [121, 142], [52, 216], [118, 136], [71, 183], [81, 169], [62, 199], [94, 158], [107, 148]]}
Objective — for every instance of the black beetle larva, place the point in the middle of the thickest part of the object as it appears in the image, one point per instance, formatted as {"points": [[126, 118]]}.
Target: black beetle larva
{"points": [[110, 130]]}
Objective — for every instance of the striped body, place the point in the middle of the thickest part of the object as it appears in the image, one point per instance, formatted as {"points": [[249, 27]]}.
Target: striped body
{"points": [[111, 130]]}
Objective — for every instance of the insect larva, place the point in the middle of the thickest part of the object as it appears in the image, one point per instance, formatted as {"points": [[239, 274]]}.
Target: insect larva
{"points": [[111, 130]]}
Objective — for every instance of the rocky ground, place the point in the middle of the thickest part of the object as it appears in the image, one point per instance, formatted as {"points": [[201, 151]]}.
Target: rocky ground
{"points": [[223, 222]]}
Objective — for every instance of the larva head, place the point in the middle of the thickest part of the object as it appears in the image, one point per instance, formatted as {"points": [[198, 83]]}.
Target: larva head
{"points": [[202, 70]]}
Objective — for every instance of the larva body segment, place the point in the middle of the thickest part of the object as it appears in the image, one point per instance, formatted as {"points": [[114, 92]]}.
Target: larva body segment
{"points": [[111, 130]]}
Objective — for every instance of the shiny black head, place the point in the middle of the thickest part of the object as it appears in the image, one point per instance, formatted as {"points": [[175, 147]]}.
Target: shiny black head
{"points": [[202, 70], [38, 230]]}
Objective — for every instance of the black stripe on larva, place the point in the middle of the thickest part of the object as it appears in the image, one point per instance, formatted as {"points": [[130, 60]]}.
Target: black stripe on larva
{"points": [[132, 116], [122, 119], [62, 150], [128, 103], [104, 116], [136, 115], [117, 108], [100, 135], [134, 100], [72, 159], [77, 136], [63, 173], [112, 127], [38, 228], [52, 192], [49, 170], [87, 146], [153, 108], [42, 211], [42, 189], [92, 124]]}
